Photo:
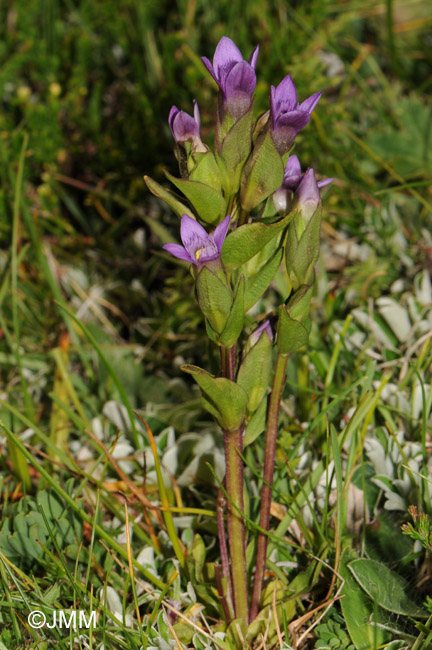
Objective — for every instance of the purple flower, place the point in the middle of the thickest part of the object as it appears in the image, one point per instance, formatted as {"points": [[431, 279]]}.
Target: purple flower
{"points": [[259, 331], [291, 181], [198, 246], [186, 128], [292, 173], [287, 116], [293, 176], [307, 196], [235, 77]]}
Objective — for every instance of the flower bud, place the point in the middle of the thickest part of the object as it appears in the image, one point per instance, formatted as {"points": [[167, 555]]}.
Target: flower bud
{"points": [[186, 128], [235, 77], [256, 334], [307, 197]]}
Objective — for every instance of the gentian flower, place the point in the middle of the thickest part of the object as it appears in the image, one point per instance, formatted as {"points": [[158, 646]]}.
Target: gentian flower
{"points": [[186, 128], [259, 331], [287, 116], [307, 196], [235, 77], [292, 173], [198, 246], [291, 181]]}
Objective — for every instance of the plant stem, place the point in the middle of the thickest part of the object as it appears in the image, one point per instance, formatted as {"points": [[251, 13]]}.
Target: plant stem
{"points": [[228, 362], [236, 530], [233, 441], [220, 508], [243, 218], [266, 492]]}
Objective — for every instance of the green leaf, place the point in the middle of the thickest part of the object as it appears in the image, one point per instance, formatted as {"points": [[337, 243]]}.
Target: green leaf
{"points": [[262, 174], [235, 320], [52, 593], [291, 334], [206, 170], [246, 241], [184, 632], [223, 398], [304, 581], [357, 610], [266, 621], [214, 298], [258, 283], [236, 633], [208, 202], [255, 371], [256, 424], [169, 197], [388, 589], [198, 553]]}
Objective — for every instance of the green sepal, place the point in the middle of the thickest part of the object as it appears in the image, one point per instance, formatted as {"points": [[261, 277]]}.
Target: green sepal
{"points": [[302, 251], [269, 209], [255, 370], [237, 143], [232, 154], [258, 283], [206, 170], [224, 123], [262, 174], [208, 202], [291, 334], [182, 154], [214, 298], [298, 306], [223, 398], [246, 241], [256, 424], [169, 197], [234, 325], [213, 336]]}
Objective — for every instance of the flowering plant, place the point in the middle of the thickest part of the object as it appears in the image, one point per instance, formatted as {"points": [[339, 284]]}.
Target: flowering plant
{"points": [[266, 218]]}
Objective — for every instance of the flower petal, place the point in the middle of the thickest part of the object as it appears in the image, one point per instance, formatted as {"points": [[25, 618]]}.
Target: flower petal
{"points": [[285, 96], [221, 232], [324, 182], [173, 112], [295, 119], [253, 57], [184, 127], [178, 251], [292, 174], [196, 113], [191, 230], [308, 196], [309, 104], [225, 56], [209, 67], [241, 78], [259, 331]]}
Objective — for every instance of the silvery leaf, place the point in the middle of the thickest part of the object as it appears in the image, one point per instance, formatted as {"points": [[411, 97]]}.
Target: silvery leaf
{"points": [[396, 317]]}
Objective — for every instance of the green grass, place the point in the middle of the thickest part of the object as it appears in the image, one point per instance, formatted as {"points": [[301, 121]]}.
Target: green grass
{"points": [[96, 320]]}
